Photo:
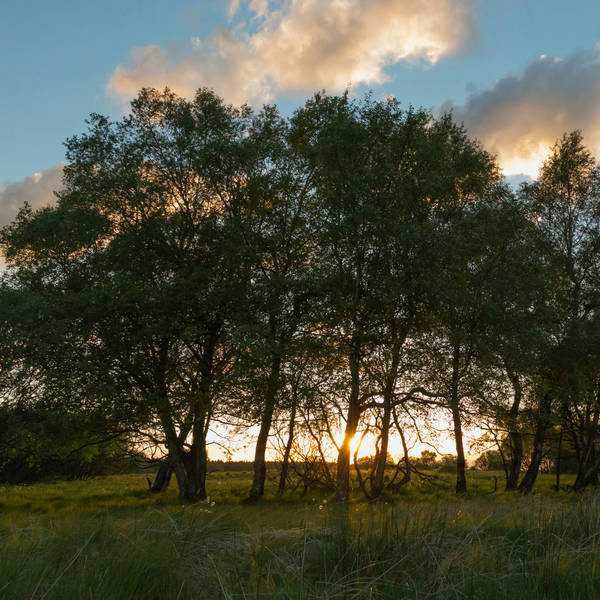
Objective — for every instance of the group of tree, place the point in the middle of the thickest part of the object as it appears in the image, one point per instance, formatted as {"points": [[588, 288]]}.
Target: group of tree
{"points": [[348, 272]]}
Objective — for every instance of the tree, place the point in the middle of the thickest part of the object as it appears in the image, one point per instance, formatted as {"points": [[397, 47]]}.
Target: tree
{"points": [[386, 181], [142, 254], [278, 225], [565, 202]]}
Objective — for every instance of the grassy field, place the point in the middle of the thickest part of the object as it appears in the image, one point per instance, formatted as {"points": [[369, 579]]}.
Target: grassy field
{"points": [[108, 538]]}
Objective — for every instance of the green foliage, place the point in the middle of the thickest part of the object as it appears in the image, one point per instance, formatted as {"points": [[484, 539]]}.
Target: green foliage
{"points": [[356, 266]]}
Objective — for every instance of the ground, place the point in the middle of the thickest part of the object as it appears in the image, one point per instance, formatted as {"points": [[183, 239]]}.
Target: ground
{"points": [[109, 538]]}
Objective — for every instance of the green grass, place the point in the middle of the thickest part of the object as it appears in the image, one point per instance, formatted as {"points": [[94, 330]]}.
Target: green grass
{"points": [[108, 538]]}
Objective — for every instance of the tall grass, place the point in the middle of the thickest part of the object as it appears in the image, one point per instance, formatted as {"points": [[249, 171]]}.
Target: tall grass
{"points": [[126, 543]]}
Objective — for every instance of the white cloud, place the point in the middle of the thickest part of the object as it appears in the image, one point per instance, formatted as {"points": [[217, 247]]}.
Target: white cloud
{"points": [[37, 190], [259, 7], [232, 8], [304, 45], [521, 116], [517, 179]]}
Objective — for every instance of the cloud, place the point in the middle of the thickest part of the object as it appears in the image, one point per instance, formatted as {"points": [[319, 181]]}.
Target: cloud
{"points": [[36, 189], [303, 45], [521, 116], [232, 8], [259, 7], [517, 179]]}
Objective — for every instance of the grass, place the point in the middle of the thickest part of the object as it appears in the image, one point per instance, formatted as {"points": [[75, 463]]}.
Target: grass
{"points": [[108, 538]]}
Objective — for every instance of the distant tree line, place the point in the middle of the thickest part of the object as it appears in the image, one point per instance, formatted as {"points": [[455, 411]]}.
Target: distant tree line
{"points": [[355, 269]]}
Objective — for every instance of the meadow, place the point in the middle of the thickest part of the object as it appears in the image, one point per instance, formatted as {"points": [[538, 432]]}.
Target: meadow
{"points": [[109, 538]]}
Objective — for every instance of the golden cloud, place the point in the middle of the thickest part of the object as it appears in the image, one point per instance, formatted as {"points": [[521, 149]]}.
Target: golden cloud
{"points": [[303, 45], [521, 117]]}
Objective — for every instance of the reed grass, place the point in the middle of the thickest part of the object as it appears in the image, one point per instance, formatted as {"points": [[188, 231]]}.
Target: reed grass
{"points": [[110, 539]]}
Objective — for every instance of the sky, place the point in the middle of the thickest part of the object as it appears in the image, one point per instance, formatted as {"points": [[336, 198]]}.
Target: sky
{"points": [[518, 73]]}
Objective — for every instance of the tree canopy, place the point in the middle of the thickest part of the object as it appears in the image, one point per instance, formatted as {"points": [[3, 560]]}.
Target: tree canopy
{"points": [[351, 271]]}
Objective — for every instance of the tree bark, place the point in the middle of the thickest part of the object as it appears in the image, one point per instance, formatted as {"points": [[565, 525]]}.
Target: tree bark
{"points": [[516, 459], [260, 466], [392, 486], [162, 477], [558, 459], [288, 449], [388, 403], [381, 458], [342, 484], [528, 481], [587, 470], [165, 470], [177, 460], [199, 457], [516, 441], [461, 477]]}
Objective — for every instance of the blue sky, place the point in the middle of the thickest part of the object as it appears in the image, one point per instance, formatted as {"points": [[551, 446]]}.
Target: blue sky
{"points": [[65, 59]]}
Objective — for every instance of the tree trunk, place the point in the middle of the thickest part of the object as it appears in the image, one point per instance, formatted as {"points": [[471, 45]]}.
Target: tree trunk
{"points": [[199, 458], [392, 486], [587, 470], [288, 449], [176, 455], [589, 474], [516, 459], [381, 458], [162, 477], [516, 441], [461, 477], [528, 481], [161, 402], [388, 403], [202, 412], [342, 484], [260, 466], [165, 470], [558, 458]]}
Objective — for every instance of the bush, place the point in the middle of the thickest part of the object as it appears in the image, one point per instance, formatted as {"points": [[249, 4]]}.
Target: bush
{"points": [[44, 444]]}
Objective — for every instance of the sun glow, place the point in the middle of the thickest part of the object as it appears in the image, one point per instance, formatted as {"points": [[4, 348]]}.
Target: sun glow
{"points": [[366, 445], [223, 446], [443, 444], [440, 440], [529, 166]]}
